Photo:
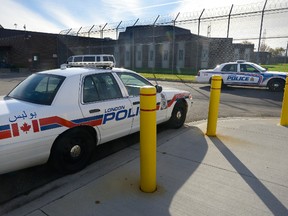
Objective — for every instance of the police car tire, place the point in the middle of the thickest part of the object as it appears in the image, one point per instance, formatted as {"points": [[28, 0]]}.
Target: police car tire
{"points": [[280, 85], [72, 151], [178, 115]]}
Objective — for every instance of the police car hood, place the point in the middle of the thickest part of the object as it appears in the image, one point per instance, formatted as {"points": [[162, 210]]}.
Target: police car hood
{"points": [[13, 109], [171, 92], [275, 73]]}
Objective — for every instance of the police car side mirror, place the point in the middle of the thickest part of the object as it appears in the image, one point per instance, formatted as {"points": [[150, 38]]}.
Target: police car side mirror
{"points": [[158, 88]]}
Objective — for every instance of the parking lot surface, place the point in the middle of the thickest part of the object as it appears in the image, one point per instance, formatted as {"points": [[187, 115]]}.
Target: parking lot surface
{"points": [[241, 171]]}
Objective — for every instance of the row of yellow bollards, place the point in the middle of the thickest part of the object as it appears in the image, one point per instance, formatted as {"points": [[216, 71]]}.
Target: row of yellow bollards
{"points": [[148, 128], [215, 92]]}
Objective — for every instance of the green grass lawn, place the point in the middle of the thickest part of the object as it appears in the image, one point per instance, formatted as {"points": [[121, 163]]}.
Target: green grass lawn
{"points": [[277, 67], [191, 78], [169, 77]]}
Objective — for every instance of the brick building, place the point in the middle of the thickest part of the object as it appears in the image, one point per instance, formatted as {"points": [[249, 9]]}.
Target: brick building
{"points": [[147, 47]]}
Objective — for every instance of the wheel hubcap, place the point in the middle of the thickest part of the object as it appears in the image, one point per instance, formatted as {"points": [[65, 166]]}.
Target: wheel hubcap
{"points": [[276, 85], [75, 151], [179, 115]]}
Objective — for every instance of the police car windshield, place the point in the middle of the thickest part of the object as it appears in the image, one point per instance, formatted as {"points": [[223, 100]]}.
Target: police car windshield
{"points": [[217, 67], [261, 69], [38, 88]]}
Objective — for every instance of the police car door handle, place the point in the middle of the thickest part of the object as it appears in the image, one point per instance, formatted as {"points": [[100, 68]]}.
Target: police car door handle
{"points": [[94, 110], [136, 102]]}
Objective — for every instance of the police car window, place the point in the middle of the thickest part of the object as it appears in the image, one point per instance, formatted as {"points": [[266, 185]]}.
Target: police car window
{"points": [[78, 59], [70, 59], [111, 58], [248, 68], [259, 68], [133, 82], [89, 59], [38, 88], [90, 92], [99, 87], [230, 68]]}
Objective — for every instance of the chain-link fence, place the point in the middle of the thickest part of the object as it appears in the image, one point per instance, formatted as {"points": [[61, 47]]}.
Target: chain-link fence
{"points": [[188, 41]]}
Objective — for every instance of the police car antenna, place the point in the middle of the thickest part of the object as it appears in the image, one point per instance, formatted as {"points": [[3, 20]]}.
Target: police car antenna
{"points": [[155, 79]]}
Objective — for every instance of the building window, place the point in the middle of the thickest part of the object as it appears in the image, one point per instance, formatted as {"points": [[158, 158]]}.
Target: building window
{"points": [[165, 58], [127, 56], [181, 55], [236, 54], [151, 57], [247, 55], [139, 56]]}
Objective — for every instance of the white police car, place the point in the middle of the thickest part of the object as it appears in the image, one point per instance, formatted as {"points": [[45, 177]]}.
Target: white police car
{"points": [[60, 116], [246, 74]]}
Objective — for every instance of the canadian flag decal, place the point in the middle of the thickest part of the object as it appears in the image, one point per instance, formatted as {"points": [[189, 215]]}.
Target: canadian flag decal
{"points": [[25, 127]]}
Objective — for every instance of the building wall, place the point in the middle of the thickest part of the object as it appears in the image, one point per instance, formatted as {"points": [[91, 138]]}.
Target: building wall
{"points": [[139, 47], [31, 50], [243, 52]]}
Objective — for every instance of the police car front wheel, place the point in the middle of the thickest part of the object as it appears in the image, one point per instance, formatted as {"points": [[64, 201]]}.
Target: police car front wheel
{"points": [[178, 115], [72, 151], [276, 85]]}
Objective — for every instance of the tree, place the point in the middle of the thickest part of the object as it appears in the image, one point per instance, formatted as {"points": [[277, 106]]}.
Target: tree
{"points": [[278, 51], [264, 48]]}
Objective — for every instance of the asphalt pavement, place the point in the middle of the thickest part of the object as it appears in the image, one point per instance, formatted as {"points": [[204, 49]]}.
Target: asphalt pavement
{"points": [[241, 171]]}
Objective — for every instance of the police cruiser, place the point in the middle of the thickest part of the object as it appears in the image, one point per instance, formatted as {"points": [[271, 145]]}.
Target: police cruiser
{"points": [[59, 116], [245, 74]]}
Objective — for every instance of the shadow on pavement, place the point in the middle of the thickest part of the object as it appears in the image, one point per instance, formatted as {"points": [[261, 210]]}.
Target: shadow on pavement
{"points": [[118, 192], [271, 201], [180, 156]]}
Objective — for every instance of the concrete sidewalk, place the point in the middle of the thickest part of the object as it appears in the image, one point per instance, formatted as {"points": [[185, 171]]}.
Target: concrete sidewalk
{"points": [[242, 171]]}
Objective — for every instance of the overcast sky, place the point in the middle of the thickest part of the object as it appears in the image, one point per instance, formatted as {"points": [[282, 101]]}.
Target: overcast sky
{"points": [[55, 15]]}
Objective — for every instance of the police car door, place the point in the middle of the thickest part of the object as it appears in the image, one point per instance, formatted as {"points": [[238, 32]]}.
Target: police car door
{"points": [[133, 82], [249, 74], [103, 103], [229, 73]]}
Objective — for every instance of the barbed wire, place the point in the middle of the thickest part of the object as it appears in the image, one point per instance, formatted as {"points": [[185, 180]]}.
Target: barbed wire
{"points": [[248, 10]]}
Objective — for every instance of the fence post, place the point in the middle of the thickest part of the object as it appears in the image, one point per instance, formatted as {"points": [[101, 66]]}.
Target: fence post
{"points": [[260, 34], [215, 92], [148, 139], [284, 112], [229, 18]]}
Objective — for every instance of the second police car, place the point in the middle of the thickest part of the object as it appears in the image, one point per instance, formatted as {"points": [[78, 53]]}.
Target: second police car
{"points": [[246, 74], [60, 116]]}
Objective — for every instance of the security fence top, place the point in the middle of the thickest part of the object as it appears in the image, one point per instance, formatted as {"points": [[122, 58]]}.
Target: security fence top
{"points": [[275, 6]]}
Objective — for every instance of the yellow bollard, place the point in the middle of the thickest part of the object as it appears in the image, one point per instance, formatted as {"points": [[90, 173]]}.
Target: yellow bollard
{"points": [[284, 112], [215, 91], [148, 139]]}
